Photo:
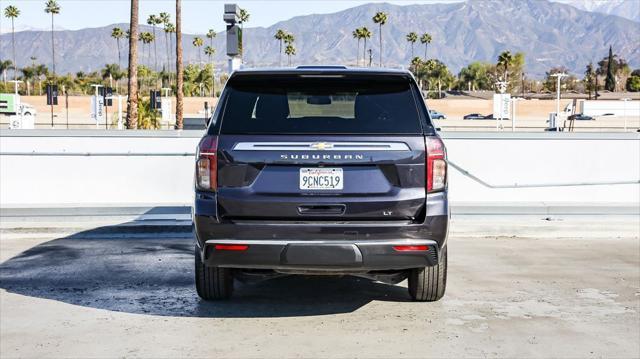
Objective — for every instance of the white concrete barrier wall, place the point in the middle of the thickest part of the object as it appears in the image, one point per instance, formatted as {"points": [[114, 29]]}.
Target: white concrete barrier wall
{"points": [[93, 168], [544, 168]]}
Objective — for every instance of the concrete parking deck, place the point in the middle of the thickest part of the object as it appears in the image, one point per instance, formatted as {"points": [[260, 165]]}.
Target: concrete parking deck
{"points": [[115, 292]]}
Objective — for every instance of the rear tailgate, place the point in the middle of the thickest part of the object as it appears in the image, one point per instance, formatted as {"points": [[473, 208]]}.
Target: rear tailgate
{"points": [[320, 146], [374, 177]]}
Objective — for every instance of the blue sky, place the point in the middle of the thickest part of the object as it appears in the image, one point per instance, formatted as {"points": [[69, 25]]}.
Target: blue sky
{"points": [[200, 15]]}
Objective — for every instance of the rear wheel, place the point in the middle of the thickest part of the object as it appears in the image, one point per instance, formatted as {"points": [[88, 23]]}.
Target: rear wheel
{"points": [[427, 284], [212, 283]]}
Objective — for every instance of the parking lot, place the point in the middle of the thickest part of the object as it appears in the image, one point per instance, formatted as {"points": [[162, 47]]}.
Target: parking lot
{"points": [[106, 293]]}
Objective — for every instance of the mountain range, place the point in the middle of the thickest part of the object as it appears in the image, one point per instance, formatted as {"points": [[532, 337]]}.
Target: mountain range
{"points": [[549, 33], [629, 9]]}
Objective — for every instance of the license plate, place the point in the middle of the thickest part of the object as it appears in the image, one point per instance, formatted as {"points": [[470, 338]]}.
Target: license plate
{"points": [[321, 179]]}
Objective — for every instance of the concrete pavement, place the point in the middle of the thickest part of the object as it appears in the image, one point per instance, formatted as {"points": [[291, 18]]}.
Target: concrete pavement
{"points": [[129, 293]]}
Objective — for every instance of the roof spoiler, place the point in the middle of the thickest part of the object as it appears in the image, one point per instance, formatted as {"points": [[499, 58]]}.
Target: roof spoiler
{"points": [[319, 67]]}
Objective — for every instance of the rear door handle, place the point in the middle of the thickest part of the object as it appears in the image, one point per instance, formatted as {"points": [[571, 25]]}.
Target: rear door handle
{"points": [[322, 209]]}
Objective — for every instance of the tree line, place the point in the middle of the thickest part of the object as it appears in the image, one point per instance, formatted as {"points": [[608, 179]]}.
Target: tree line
{"points": [[150, 71]]}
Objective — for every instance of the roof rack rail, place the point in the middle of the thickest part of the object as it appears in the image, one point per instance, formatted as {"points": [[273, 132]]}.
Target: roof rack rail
{"points": [[321, 67]]}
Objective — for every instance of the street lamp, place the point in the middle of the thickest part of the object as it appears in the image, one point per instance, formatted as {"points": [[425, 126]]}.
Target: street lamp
{"points": [[234, 35]]}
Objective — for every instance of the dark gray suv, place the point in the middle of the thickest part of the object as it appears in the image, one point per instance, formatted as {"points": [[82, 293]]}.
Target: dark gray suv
{"points": [[321, 171]]}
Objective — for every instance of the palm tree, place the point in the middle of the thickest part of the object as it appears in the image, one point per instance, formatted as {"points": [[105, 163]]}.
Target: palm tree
{"points": [[366, 34], [357, 34], [12, 13], [412, 37], [416, 67], [41, 72], [154, 20], [380, 18], [118, 34], [505, 59], [280, 34], [132, 86], [210, 51], [198, 43], [165, 19], [425, 39], [4, 66], [27, 74], [146, 38], [244, 17], [52, 7], [289, 38], [111, 72], [141, 39], [179, 67], [211, 34], [290, 50], [170, 29]]}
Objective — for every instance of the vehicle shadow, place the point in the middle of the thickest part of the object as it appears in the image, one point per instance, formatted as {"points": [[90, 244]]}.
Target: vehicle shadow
{"points": [[152, 273]]}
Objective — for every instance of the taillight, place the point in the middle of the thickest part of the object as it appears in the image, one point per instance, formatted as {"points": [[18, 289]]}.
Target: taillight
{"points": [[436, 165], [207, 164], [231, 247], [410, 248]]}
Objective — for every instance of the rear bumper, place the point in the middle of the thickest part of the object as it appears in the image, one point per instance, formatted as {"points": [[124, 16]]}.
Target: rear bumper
{"points": [[347, 246], [320, 255]]}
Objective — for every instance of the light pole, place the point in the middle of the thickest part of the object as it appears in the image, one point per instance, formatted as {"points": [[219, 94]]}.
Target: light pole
{"points": [[558, 76], [234, 35]]}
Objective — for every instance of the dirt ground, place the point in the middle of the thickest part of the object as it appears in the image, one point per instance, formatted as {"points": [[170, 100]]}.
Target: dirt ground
{"points": [[89, 295], [531, 115], [79, 111]]}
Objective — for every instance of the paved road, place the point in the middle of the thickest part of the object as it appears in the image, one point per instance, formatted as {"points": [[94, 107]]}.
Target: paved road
{"points": [[104, 294]]}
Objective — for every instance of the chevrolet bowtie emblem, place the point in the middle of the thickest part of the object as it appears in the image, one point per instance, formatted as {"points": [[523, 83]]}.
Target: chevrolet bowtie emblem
{"points": [[321, 146]]}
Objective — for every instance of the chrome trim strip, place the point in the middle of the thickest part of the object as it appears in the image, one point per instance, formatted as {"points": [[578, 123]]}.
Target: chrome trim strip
{"points": [[355, 242], [330, 146]]}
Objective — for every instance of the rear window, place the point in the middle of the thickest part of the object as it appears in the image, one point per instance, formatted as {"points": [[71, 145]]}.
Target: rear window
{"points": [[320, 105]]}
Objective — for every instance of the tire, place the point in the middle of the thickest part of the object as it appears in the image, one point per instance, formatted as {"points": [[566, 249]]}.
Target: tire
{"points": [[212, 283], [428, 284]]}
